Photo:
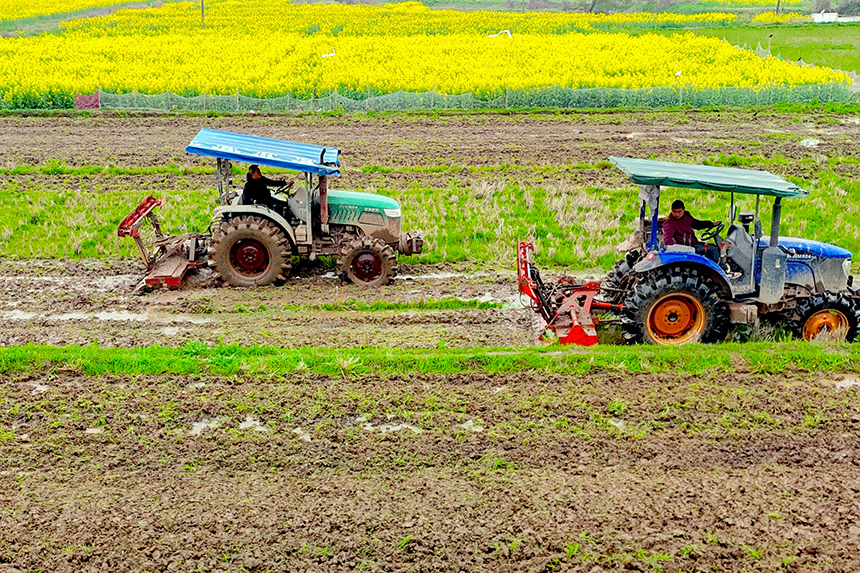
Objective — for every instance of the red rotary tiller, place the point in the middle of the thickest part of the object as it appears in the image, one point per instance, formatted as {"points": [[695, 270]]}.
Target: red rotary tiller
{"points": [[566, 308]]}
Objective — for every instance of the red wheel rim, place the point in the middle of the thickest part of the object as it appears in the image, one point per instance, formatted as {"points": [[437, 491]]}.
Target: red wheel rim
{"points": [[249, 257], [366, 267]]}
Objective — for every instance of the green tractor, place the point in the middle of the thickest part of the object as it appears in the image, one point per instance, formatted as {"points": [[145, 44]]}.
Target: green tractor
{"points": [[254, 244]]}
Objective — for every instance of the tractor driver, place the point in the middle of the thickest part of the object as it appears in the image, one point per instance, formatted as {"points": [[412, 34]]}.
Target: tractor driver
{"points": [[257, 190], [678, 230]]}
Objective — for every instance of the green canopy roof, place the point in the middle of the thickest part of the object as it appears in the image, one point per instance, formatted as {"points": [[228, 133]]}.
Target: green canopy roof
{"points": [[666, 174]]}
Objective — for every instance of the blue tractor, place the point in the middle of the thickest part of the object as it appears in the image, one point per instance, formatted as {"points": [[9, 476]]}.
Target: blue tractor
{"points": [[672, 295]]}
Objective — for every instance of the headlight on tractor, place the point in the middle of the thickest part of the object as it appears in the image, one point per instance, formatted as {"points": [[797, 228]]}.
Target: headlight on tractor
{"points": [[392, 213], [846, 267]]}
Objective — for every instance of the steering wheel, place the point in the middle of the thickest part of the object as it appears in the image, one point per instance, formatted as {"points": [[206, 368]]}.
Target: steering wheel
{"points": [[713, 232], [285, 188]]}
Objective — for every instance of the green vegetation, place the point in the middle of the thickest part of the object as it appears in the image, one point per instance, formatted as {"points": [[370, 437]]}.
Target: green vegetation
{"points": [[46, 22], [574, 226], [832, 45], [273, 362]]}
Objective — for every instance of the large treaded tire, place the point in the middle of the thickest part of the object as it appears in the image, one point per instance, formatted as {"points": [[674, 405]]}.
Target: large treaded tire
{"points": [[250, 251], [614, 281], [367, 261], [818, 314], [675, 306]]}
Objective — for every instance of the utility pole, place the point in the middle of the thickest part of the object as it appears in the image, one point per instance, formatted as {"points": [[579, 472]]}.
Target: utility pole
{"points": [[202, 15]]}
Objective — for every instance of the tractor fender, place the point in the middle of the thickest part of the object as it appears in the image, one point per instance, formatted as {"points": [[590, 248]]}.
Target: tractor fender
{"points": [[225, 211], [690, 260]]}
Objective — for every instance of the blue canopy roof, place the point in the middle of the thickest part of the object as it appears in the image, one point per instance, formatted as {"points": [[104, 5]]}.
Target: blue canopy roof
{"points": [[264, 151], [709, 178]]}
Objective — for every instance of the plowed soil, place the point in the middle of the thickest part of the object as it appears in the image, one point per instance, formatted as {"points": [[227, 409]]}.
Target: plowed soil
{"points": [[418, 473], [466, 472]]}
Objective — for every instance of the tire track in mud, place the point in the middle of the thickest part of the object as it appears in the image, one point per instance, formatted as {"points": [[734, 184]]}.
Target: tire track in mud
{"points": [[64, 302]]}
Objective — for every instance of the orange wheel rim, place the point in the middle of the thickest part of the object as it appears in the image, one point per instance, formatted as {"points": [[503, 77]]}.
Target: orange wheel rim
{"points": [[676, 318], [827, 323]]}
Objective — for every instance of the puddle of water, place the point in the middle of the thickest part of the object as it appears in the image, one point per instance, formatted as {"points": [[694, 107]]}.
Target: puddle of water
{"points": [[198, 427], [809, 142], [106, 315], [386, 428], [848, 383], [303, 435], [114, 315], [98, 430], [487, 297], [429, 276], [471, 426], [170, 331], [251, 423], [40, 388]]}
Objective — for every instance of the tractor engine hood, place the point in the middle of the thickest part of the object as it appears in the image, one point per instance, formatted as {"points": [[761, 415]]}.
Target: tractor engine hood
{"points": [[809, 247], [338, 199]]}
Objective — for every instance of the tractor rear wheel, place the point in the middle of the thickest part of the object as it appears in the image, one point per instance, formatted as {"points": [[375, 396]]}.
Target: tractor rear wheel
{"points": [[828, 316], [614, 283], [367, 261], [675, 306], [250, 251]]}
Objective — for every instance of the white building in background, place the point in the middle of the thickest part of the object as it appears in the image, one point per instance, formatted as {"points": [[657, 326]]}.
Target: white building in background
{"points": [[823, 17]]}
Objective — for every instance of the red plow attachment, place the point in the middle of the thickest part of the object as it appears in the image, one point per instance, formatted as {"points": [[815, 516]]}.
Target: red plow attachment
{"points": [[566, 307], [172, 256]]}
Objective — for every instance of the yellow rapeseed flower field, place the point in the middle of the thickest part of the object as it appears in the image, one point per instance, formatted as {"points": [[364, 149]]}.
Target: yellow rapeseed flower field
{"points": [[272, 47]]}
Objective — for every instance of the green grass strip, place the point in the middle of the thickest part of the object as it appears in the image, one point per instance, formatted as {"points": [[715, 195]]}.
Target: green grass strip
{"points": [[268, 362], [54, 167]]}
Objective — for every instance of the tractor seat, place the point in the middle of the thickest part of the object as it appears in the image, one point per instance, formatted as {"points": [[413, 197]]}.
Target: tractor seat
{"points": [[680, 249], [741, 247], [660, 219]]}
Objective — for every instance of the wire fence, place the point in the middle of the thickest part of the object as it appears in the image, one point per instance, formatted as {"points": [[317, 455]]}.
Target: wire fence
{"points": [[512, 99]]}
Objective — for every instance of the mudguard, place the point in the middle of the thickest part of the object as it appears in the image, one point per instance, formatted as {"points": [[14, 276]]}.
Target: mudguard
{"points": [[656, 259], [258, 210]]}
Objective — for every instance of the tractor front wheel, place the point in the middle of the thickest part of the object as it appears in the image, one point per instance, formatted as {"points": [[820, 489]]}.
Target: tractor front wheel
{"points": [[675, 306], [250, 251], [828, 316], [367, 261]]}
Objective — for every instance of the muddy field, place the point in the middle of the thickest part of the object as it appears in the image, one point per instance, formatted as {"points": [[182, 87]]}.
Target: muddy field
{"points": [[418, 473], [467, 472], [545, 148], [64, 303]]}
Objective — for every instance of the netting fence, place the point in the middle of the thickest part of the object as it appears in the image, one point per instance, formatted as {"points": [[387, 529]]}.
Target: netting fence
{"points": [[512, 99]]}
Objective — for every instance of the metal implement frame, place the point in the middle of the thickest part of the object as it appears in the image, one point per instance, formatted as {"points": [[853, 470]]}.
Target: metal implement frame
{"points": [[565, 308], [172, 255]]}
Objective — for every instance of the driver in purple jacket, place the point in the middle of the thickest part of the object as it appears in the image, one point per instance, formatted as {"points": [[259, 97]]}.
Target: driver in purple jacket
{"points": [[678, 230]]}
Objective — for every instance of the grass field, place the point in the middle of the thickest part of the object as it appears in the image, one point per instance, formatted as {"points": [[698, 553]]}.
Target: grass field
{"points": [[832, 45], [472, 209], [276, 363]]}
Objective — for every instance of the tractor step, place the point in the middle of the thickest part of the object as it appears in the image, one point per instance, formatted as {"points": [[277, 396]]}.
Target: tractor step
{"points": [[168, 272]]}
